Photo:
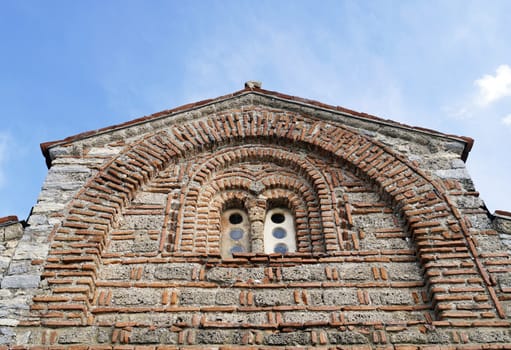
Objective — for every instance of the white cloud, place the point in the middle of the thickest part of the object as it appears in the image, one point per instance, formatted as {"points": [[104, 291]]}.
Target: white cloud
{"points": [[507, 120], [490, 89], [493, 88]]}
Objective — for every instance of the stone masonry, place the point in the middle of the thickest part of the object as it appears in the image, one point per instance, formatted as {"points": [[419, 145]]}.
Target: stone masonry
{"points": [[395, 249]]}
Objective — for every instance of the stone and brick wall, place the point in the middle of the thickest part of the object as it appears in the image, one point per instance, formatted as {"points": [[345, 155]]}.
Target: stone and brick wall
{"points": [[394, 247]]}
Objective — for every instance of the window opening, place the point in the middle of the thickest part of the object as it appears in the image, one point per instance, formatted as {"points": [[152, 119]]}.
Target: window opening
{"points": [[278, 218], [279, 231], [235, 218], [235, 232]]}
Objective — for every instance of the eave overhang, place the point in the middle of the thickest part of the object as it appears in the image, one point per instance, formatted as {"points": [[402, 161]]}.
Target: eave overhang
{"points": [[467, 141]]}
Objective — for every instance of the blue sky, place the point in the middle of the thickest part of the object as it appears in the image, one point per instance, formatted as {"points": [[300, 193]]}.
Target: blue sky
{"points": [[73, 66]]}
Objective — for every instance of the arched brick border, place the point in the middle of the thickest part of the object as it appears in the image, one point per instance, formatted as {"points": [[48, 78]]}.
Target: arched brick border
{"points": [[295, 196], [76, 248], [320, 194]]}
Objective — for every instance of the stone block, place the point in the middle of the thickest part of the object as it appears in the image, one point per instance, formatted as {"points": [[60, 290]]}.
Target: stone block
{"points": [[347, 338], [458, 174], [18, 267], [354, 271], [4, 263], [21, 281], [273, 297], [226, 297], [288, 339], [196, 297], [303, 273], [141, 335], [404, 271], [77, 336], [11, 232], [115, 272], [373, 243], [306, 316], [391, 297], [228, 275], [385, 317], [174, 271], [136, 296], [210, 337], [7, 335], [141, 244], [340, 296], [9, 322], [502, 225], [142, 222], [30, 251], [102, 152], [150, 198], [375, 221], [48, 207], [409, 336]]}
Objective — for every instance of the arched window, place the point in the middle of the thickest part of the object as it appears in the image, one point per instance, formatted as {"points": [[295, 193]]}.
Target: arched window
{"points": [[235, 232], [279, 231]]}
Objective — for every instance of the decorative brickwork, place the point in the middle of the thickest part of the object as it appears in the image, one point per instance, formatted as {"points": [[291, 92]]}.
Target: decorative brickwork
{"points": [[385, 256]]}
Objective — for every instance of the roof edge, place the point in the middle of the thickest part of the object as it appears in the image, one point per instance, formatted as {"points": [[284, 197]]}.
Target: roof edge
{"points": [[45, 146], [503, 214], [8, 220]]}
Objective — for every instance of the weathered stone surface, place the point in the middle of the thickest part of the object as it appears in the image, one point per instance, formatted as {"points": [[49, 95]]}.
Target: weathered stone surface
{"points": [[358, 272], [150, 198], [153, 336], [347, 337], [11, 232], [459, 173], [306, 316], [142, 222], [21, 281], [7, 335], [197, 297], [231, 275], [385, 317], [485, 336], [141, 243], [404, 271], [391, 297], [298, 273], [226, 297], [8, 321], [272, 297], [210, 337], [136, 296], [115, 272], [340, 296], [77, 336], [288, 339], [174, 271], [30, 251]]}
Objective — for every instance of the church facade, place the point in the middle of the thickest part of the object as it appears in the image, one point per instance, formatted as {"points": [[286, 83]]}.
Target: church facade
{"points": [[257, 220]]}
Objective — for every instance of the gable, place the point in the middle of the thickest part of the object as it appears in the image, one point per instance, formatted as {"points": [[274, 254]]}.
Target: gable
{"points": [[383, 255]]}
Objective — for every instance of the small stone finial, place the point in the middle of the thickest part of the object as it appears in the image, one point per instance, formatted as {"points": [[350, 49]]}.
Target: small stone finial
{"points": [[252, 84]]}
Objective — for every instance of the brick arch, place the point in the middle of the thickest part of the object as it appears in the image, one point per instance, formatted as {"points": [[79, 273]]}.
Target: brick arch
{"points": [[298, 192], [270, 154], [77, 244]]}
